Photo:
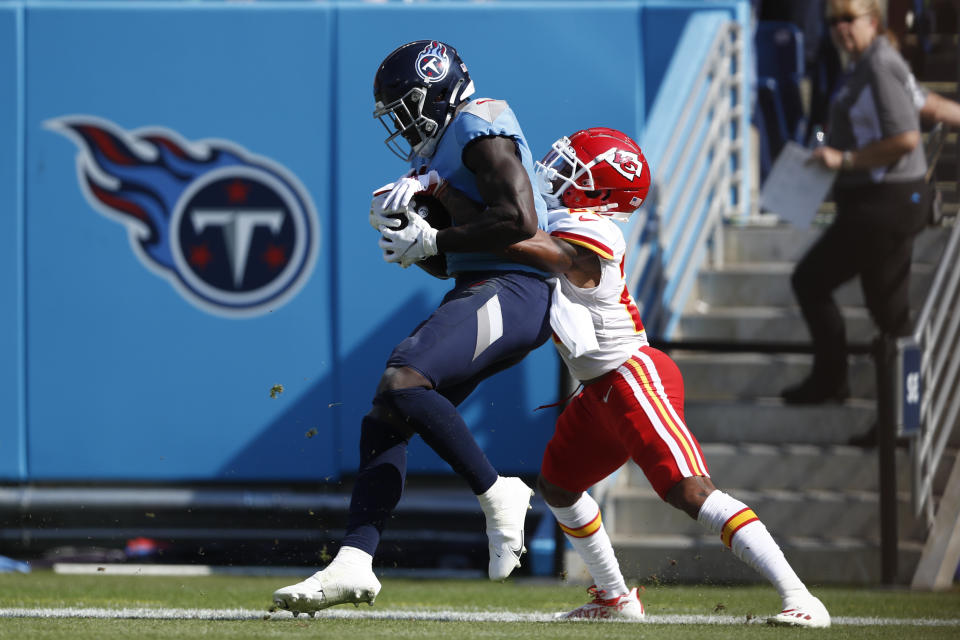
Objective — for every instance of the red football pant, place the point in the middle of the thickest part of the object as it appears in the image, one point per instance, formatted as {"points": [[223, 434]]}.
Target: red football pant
{"points": [[634, 412]]}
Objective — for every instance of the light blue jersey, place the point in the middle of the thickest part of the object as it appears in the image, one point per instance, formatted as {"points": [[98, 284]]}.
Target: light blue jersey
{"points": [[481, 117]]}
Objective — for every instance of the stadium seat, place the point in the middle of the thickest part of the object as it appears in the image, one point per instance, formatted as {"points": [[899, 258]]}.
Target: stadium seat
{"points": [[780, 73], [771, 123]]}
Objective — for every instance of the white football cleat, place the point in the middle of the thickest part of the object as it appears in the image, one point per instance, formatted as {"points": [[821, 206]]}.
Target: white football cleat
{"points": [[505, 505], [803, 611], [328, 588], [622, 607]]}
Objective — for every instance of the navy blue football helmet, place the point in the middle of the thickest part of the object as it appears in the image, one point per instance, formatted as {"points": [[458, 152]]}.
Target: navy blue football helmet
{"points": [[417, 89]]}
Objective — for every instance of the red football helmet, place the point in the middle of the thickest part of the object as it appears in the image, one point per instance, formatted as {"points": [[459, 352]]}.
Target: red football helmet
{"points": [[600, 169]]}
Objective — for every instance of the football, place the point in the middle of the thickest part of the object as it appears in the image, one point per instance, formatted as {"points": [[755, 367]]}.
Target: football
{"points": [[428, 208]]}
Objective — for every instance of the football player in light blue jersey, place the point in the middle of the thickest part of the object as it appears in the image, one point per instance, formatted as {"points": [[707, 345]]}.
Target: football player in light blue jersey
{"points": [[476, 119], [496, 313]]}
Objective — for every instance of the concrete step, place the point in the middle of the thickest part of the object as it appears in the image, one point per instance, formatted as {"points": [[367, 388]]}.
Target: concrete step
{"points": [[704, 559], [947, 88], [938, 41], [794, 467], [828, 210], [946, 169], [784, 243], [765, 324], [937, 64], [769, 421], [948, 189], [813, 514], [774, 243], [745, 376], [768, 284]]}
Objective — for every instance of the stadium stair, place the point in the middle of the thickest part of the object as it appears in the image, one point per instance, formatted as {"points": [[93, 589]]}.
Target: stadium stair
{"points": [[817, 495]]}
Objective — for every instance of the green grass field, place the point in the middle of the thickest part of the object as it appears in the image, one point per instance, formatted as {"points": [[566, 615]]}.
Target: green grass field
{"points": [[34, 606]]}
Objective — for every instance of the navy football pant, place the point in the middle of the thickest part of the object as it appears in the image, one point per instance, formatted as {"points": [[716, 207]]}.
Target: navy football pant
{"points": [[485, 324]]}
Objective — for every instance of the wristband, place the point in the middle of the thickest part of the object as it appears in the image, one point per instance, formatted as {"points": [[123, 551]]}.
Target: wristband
{"points": [[846, 161]]}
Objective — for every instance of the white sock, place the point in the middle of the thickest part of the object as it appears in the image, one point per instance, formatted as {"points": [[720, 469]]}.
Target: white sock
{"points": [[583, 527], [352, 558], [488, 499], [741, 530]]}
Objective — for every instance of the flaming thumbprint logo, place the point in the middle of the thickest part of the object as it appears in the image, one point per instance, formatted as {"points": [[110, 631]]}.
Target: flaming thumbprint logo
{"points": [[235, 233]]}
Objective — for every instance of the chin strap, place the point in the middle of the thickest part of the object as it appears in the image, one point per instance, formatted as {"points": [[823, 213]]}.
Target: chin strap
{"points": [[603, 209]]}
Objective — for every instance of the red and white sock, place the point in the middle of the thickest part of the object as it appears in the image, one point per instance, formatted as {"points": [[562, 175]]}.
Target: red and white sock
{"points": [[583, 527], [741, 530]]}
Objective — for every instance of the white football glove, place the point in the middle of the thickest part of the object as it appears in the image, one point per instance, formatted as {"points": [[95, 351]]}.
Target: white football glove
{"points": [[405, 188], [379, 214], [416, 241]]}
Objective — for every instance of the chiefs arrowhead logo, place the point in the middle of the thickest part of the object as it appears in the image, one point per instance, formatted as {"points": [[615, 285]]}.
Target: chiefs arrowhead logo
{"points": [[626, 163]]}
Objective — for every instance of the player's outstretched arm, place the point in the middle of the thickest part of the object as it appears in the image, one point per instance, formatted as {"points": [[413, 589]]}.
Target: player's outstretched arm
{"points": [[509, 214], [544, 252], [541, 251]]}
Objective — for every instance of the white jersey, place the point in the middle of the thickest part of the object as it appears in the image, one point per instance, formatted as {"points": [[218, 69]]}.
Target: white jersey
{"points": [[616, 318]]}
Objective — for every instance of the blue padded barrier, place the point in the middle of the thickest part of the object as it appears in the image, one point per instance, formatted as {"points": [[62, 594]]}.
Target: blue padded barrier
{"points": [[119, 361]]}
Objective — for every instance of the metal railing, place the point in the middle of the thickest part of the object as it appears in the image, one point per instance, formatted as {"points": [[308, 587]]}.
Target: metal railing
{"points": [[698, 173], [905, 367], [937, 336], [682, 224], [936, 411]]}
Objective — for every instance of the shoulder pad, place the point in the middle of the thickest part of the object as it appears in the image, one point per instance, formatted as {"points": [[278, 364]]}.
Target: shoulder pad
{"points": [[589, 230], [486, 108]]}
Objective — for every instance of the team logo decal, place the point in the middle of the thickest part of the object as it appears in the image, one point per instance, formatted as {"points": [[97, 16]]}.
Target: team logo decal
{"points": [[626, 163], [233, 232], [433, 62]]}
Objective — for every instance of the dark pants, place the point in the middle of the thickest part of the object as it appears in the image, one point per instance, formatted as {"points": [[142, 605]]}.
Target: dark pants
{"points": [[487, 323], [872, 237]]}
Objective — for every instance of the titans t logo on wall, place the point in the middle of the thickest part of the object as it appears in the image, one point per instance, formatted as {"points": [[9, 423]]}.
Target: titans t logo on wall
{"points": [[235, 233]]}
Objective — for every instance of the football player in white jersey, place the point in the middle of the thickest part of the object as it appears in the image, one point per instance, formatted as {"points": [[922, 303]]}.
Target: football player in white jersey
{"points": [[631, 404]]}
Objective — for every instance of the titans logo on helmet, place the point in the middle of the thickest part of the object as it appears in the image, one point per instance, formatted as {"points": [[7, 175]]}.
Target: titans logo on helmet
{"points": [[433, 62], [235, 233]]}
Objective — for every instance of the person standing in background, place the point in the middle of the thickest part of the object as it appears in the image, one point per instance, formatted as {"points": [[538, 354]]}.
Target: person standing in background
{"points": [[874, 142]]}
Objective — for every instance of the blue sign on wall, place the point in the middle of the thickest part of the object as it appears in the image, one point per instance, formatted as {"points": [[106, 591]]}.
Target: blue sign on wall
{"points": [[911, 387], [177, 264]]}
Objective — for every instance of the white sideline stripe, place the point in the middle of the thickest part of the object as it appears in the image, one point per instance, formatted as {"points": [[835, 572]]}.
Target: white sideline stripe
{"points": [[77, 568], [188, 570], [422, 614]]}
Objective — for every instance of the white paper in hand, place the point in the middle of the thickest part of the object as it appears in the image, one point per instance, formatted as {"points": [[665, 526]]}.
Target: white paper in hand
{"points": [[794, 189]]}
